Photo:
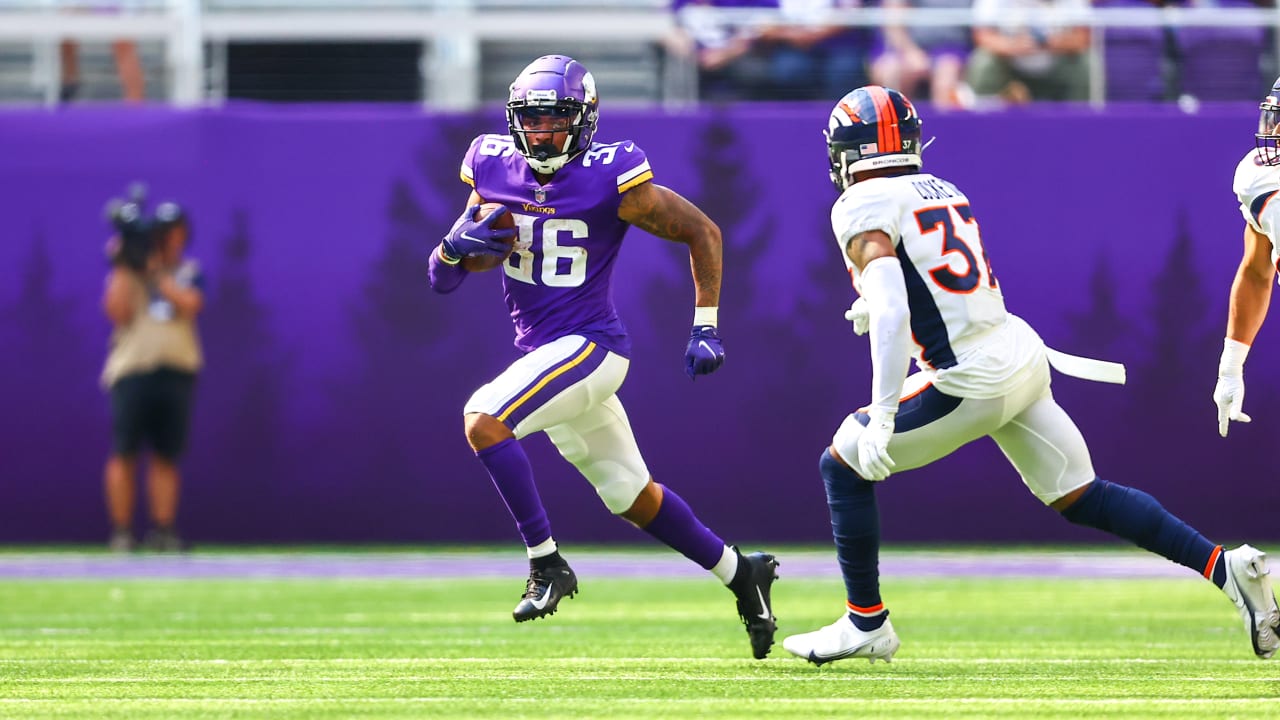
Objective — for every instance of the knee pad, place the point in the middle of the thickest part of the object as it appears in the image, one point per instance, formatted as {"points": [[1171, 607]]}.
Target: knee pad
{"points": [[618, 481], [617, 485]]}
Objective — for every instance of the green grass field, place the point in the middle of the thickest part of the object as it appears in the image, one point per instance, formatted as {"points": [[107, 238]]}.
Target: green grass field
{"points": [[624, 648]]}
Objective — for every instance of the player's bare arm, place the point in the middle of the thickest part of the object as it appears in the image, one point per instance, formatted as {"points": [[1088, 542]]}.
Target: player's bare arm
{"points": [[661, 211], [867, 246], [1251, 289]]}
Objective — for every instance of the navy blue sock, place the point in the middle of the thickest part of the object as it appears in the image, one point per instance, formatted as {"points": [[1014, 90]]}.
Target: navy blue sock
{"points": [[1139, 518], [855, 525]]}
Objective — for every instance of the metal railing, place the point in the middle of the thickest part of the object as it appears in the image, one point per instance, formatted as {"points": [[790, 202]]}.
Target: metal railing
{"points": [[452, 30]]}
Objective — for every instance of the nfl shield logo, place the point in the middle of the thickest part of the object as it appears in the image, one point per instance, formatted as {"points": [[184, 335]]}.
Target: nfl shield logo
{"points": [[539, 196]]}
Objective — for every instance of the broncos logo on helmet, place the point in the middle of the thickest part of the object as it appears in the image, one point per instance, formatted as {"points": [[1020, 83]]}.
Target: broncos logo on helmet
{"points": [[870, 128], [1267, 139], [559, 87]]}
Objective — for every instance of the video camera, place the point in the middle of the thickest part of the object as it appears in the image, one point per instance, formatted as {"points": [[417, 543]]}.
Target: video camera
{"points": [[128, 217], [138, 231]]}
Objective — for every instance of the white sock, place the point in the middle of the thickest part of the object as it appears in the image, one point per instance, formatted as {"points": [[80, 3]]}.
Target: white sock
{"points": [[542, 549], [727, 567]]}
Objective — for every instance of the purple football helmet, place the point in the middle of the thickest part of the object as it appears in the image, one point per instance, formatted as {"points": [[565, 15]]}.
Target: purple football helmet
{"points": [[1268, 136], [559, 89]]}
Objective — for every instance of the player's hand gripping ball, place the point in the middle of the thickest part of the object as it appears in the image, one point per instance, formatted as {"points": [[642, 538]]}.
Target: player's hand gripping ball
{"points": [[485, 216]]}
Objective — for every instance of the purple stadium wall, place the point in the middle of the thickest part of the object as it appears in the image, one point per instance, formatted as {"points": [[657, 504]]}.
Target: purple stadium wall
{"points": [[330, 409]]}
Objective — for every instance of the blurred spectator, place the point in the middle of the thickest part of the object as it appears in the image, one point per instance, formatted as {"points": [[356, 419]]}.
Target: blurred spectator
{"points": [[133, 83], [925, 59], [152, 298], [1030, 50], [1224, 63], [804, 57]]}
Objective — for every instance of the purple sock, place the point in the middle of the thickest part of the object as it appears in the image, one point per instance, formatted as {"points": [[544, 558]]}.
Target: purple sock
{"points": [[676, 525], [513, 477]]}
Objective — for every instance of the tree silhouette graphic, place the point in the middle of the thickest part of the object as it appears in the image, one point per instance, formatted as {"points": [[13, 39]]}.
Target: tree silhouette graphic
{"points": [[57, 429], [401, 328], [239, 447], [1101, 331]]}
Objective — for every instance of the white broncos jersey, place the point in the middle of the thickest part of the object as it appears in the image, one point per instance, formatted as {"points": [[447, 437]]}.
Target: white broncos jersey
{"points": [[962, 333], [1255, 186]]}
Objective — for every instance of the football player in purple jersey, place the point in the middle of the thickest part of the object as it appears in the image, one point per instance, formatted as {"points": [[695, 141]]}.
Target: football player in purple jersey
{"points": [[572, 200]]}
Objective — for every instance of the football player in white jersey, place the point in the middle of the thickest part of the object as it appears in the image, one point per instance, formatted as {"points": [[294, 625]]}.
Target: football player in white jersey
{"points": [[912, 244], [1256, 183]]}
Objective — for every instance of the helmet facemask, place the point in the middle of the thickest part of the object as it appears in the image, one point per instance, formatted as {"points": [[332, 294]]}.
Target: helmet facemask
{"points": [[545, 123], [554, 94], [1267, 139]]}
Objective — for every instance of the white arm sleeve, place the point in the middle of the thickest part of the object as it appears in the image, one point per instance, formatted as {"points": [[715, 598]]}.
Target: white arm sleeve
{"points": [[886, 294]]}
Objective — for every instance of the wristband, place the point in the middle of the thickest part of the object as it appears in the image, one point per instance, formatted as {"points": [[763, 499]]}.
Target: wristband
{"points": [[1233, 355], [444, 256], [706, 316]]}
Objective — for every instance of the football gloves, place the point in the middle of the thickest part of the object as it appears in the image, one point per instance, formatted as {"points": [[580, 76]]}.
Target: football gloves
{"points": [[860, 315], [1228, 394], [873, 445], [704, 353], [469, 237]]}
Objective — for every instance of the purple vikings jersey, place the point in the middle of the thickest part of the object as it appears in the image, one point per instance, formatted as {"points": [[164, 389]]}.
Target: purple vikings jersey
{"points": [[557, 281]]}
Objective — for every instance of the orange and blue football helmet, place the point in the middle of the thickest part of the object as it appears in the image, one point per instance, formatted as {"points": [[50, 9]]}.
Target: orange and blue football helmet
{"points": [[870, 128]]}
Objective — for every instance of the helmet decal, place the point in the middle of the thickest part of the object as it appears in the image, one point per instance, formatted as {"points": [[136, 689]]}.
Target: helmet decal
{"points": [[870, 128]]}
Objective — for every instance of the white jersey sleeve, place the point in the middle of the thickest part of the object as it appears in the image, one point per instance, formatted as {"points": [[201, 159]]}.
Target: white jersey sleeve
{"points": [[864, 207], [1256, 186]]}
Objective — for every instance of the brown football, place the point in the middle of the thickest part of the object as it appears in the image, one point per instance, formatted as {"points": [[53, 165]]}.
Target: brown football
{"points": [[481, 263]]}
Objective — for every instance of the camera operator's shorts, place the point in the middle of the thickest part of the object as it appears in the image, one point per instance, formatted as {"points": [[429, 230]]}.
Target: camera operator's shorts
{"points": [[151, 408]]}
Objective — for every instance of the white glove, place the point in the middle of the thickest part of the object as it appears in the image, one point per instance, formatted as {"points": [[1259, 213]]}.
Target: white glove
{"points": [[873, 444], [860, 315], [1228, 394]]}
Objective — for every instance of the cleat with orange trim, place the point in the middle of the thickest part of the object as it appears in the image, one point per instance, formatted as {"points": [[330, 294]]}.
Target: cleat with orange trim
{"points": [[1249, 587], [841, 639]]}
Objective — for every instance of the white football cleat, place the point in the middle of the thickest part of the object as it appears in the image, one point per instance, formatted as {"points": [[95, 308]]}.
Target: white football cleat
{"points": [[1249, 587], [841, 639]]}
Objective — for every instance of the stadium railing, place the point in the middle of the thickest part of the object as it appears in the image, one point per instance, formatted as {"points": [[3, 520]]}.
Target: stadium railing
{"points": [[452, 31]]}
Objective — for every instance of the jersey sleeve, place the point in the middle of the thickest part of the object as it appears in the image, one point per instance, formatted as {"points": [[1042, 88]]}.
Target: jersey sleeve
{"points": [[481, 157], [1255, 187], [469, 162], [625, 161], [864, 207]]}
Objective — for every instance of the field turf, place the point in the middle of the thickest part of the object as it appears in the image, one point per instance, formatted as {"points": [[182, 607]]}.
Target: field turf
{"points": [[346, 646]]}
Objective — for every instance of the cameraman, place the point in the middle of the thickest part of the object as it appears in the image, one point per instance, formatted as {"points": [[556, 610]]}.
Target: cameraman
{"points": [[153, 295]]}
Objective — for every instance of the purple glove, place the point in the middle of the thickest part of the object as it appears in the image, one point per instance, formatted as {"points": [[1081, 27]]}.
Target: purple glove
{"points": [[705, 353], [468, 238]]}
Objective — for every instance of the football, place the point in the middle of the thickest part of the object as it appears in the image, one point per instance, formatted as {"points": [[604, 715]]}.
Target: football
{"points": [[481, 263]]}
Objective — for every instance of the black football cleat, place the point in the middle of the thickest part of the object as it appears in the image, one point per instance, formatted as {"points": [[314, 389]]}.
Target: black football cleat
{"points": [[754, 606], [544, 590]]}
